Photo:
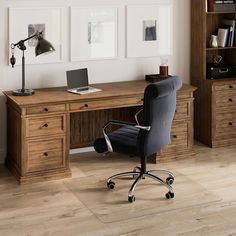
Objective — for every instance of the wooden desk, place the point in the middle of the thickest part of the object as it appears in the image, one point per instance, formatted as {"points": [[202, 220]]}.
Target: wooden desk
{"points": [[42, 128]]}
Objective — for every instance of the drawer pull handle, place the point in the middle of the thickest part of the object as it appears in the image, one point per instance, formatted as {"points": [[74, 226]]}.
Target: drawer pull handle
{"points": [[86, 105], [230, 123], [142, 99], [45, 125], [231, 86], [230, 99], [46, 109], [45, 154], [174, 136]]}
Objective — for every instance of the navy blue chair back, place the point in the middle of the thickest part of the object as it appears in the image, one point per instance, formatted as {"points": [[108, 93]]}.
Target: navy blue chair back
{"points": [[158, 112]]}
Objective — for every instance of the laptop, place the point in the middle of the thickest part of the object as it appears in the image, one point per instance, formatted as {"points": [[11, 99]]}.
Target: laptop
{"points": [[77, 82]]}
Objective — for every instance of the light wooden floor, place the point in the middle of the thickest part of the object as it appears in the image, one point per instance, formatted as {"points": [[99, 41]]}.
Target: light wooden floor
{"points": [[51, 208]]}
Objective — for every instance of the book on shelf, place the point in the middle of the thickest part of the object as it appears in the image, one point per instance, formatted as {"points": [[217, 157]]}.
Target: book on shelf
{"points": [[223, 36], [223, 1], [230, 25]]}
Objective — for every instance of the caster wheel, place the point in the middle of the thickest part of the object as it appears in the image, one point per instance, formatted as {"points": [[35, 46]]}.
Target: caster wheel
{"points": [[111, 185], [131, 198], [170, 180], [170, 195]]}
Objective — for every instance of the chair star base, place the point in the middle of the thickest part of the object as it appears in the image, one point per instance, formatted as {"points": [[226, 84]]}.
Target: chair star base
{"points": [[138, 174]]}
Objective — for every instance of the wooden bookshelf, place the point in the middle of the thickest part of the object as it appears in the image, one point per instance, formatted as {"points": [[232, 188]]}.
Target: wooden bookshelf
{"points": [[215, 100]]}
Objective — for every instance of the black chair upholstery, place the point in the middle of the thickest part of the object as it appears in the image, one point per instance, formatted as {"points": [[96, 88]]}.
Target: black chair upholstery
{"points": [[147, 138]]}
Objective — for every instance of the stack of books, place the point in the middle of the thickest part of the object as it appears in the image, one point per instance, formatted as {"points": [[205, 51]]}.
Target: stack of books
{"points": [[220, 5], [226, 33]]}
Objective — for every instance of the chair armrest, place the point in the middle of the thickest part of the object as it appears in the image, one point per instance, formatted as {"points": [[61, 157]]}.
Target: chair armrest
{"points": [[137, 121], [113, 122], [122, 123], [136, 116]]}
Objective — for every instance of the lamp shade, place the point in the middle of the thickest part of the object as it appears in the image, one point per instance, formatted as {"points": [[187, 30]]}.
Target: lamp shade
{"points": [[43, 46]]}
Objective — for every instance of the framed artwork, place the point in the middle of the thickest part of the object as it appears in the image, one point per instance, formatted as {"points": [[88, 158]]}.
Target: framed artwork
{"points": [[24, 22], [94, 33], [149, 30]]}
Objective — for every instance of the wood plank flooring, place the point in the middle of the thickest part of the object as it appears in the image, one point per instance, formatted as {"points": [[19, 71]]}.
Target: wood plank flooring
{"points": [[51, 208]]}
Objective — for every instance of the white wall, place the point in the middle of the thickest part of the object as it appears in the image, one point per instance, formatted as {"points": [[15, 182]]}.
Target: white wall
{"points": [[120, 69]]}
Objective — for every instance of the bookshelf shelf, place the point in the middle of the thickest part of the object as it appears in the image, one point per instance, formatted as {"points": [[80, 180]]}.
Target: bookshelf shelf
{"points": [[220, 48], [216, 13]]}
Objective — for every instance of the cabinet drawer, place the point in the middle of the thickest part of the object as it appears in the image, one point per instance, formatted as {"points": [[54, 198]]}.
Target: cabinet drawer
{"points": [[226, 87], [45, 126], [225, 125], [44, 109], [45, 155], [106, 104], [182, 110], [226, 101]]}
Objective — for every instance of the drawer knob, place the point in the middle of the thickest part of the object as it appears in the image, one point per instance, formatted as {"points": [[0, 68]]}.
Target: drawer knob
{"points": [[45, 125], [86, 105], [45, 154], [231, 86], [230, 123], [230, 99], [176, 111], [174, 136], [142, 99], [46, 109]]}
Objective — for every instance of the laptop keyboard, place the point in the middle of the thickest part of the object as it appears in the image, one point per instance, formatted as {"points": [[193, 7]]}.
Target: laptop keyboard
{"points": [[81, 89]]}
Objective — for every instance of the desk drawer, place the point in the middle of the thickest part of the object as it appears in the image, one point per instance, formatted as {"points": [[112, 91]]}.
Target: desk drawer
{"points": [[45, 155], [179, 138], [179, 133], [45, 126], [106, 104], [44, 109], [182, 110]]}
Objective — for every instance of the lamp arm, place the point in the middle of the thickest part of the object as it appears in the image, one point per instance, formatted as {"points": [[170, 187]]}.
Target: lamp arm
{"points": [[20, 44]]}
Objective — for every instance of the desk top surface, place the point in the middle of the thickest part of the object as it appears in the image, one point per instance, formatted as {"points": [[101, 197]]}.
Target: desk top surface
{"points": [[109, 91]]}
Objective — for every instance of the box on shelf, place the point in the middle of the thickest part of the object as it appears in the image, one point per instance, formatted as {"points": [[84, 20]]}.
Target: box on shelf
{"points": [[229, 7], [220, 71]]}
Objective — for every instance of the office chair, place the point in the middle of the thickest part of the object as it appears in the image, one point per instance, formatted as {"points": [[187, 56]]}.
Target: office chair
{"points": [[147, 138]]}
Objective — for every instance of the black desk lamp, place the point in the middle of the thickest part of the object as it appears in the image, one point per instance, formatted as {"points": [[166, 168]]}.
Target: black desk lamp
{"points": [[42, 46]]}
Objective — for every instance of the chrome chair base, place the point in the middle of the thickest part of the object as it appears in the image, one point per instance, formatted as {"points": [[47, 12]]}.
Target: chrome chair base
{"points": [[138, 174]]}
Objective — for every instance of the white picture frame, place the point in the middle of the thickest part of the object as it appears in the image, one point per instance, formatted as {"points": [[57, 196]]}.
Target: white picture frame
{"points": [[93, 33], [22, 23], [149, 30]]}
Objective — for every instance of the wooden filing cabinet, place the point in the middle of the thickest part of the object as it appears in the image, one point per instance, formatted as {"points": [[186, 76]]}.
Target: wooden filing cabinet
{"points": [[224, 113]]}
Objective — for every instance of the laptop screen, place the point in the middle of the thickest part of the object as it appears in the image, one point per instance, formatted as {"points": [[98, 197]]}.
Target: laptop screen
{"points": [[77, 78]]}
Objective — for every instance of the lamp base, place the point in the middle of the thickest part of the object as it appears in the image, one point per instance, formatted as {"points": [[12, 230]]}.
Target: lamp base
{"points": [[23, 92]]}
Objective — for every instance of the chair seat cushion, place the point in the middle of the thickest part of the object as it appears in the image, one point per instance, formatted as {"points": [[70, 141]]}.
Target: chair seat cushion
{"points": [[123, 140]]}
